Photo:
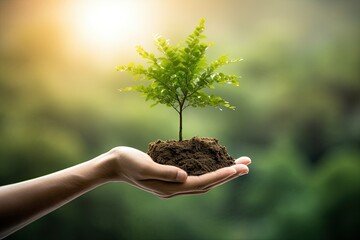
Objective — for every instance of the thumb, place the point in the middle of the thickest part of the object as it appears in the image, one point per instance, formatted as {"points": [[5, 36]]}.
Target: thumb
{"points": [[167, 173]]}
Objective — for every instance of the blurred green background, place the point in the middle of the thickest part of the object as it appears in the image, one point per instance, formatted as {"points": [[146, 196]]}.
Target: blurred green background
{"points": [[297, 116]]}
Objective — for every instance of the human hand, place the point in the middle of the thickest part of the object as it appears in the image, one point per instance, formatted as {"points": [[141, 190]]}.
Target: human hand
{"points": [[24, 202], [138, 169]]}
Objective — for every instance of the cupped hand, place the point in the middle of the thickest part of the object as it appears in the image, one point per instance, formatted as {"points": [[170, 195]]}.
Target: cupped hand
{"points": [[138, 169]]}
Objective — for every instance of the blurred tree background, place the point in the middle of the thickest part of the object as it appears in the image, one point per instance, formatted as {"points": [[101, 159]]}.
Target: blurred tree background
{"points": [[297, 116]]}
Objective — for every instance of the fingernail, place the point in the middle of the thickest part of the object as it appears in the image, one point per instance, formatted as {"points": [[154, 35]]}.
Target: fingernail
{"points": [[244, 172], [181, 176]]}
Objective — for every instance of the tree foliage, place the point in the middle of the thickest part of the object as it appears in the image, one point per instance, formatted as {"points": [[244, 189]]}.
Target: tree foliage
{"points": [[178, 77]]}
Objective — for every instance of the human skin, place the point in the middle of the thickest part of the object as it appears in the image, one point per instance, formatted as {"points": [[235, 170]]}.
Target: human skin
{"points": [[24, 202]]}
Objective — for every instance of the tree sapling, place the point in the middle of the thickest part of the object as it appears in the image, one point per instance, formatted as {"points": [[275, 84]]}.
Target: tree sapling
{"points": [[177, 78]]}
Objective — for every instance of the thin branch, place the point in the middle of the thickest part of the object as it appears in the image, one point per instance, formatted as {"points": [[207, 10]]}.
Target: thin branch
{"points": [[175, 108]]}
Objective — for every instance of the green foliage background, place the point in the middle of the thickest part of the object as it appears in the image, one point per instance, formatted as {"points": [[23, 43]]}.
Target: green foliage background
{"points": [[297, 117]]}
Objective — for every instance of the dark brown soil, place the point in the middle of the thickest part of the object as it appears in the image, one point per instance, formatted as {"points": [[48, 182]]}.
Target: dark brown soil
{"points": [[196, 156]]}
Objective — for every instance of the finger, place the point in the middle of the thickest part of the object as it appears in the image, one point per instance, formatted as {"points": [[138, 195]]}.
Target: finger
{"points": [[243, 160], [166, 173], [192, 185], [195, 183], [240, 171], [163, 189], [206, 182], [198, 192]]}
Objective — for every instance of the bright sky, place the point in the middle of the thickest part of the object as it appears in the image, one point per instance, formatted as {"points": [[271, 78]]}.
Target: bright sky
{"points": [[105, 26]]}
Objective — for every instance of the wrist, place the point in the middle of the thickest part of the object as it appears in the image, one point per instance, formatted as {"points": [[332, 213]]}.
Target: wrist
{"points": [[107, 165]]}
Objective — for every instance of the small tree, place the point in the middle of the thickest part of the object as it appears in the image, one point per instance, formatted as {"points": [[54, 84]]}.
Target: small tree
{"points": [[177, 77]]}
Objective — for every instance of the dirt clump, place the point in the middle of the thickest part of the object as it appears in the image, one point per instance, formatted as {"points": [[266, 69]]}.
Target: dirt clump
{"points": [[196, 156]]}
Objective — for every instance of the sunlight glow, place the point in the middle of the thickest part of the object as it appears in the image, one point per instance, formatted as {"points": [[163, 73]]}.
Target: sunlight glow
{"points": [[104, 25]]}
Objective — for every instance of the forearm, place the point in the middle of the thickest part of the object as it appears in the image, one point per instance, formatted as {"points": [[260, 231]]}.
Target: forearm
{"points": [[24, 202]]}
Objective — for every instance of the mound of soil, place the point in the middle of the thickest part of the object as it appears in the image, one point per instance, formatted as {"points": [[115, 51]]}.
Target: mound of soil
{"points": [[196, 156]]}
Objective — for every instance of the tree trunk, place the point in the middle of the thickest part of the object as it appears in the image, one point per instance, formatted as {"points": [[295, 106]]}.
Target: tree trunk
{"points": [[180, 125]]}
